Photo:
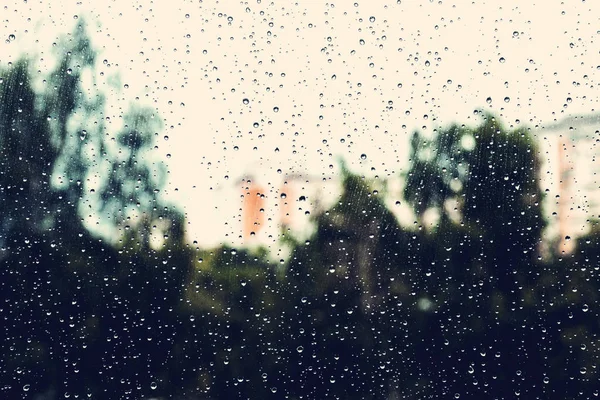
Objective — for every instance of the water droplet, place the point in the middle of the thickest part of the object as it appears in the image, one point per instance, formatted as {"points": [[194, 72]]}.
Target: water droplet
{"points": [[153, 385], [371, 19], [26, 388], [515, 34], [246, 101], [502, 59], [507, 99], [83, 134], [299, 349], [489, 100], [363, 156], [11, 37]]}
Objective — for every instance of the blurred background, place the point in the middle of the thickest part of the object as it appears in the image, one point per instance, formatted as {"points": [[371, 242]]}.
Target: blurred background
{"points": [[208, 200]]}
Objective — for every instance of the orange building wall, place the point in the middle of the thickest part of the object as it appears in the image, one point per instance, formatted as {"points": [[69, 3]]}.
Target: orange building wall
{"points": [[253, 202]]}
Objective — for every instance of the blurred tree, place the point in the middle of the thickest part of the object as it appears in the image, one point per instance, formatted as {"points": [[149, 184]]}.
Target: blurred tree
{"points": [[344, 287], [483, 249], [486, 179], [75, 306]]}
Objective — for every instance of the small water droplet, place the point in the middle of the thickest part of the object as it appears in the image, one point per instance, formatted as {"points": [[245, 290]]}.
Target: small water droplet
{"points": [[153, 385]]}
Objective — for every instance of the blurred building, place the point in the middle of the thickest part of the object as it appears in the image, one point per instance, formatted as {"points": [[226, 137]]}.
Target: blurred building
{"points": [[569, 176], [272, 208], [253, 209]]}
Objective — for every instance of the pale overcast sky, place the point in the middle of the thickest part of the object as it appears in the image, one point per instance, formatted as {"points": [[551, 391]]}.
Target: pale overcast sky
{"points": [[321, 80]]}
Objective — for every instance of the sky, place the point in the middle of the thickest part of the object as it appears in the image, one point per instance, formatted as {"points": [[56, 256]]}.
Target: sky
{"points": [[275, 89]]}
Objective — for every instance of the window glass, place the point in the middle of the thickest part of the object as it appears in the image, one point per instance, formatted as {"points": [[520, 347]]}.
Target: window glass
{"points": [[299, 200]]}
